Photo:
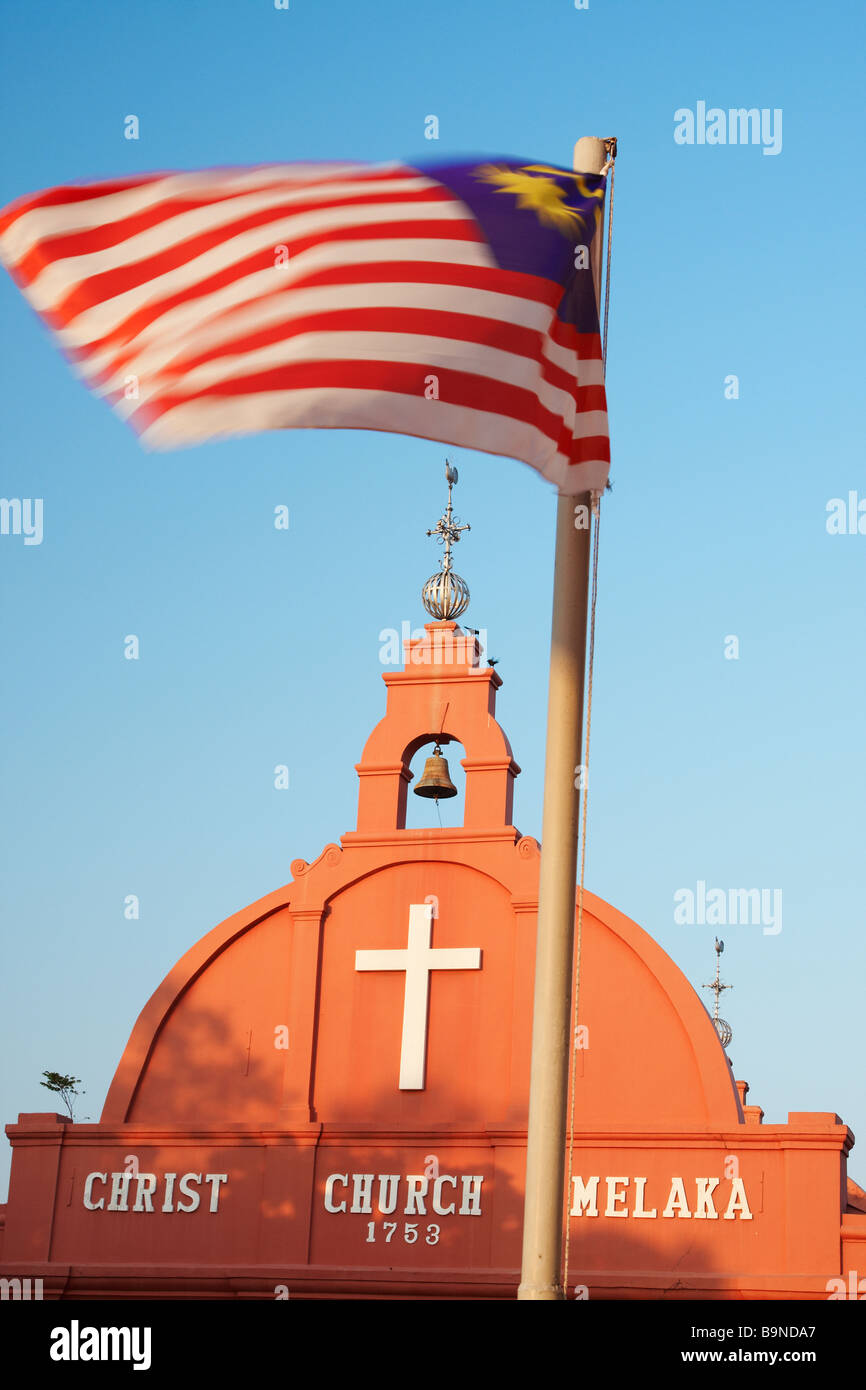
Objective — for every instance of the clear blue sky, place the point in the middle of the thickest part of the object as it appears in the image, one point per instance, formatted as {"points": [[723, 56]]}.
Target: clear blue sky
{"points": [[261, 647]]}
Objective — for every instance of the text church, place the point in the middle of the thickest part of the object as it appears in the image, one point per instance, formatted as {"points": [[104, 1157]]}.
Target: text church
{"points": [[327, 1096]]}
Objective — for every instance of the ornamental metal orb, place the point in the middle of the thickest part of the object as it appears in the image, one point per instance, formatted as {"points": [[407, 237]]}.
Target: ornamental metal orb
{"points": [[724, 1030], [445, 595]]}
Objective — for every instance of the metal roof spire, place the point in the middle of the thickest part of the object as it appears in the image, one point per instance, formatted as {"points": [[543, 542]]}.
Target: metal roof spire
{"points": [[723, 1029], [446, 595]]}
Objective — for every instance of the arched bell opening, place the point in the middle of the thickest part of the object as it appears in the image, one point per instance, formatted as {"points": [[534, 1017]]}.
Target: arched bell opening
{"points": [[436, 768]]}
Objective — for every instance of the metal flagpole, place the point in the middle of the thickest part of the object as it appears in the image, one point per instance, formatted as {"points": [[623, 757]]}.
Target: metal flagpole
{"points": [[548, 1088]]}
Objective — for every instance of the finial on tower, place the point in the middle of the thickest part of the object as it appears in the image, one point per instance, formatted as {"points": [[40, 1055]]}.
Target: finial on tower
{"points": [[446, 595], [723, 1029]]}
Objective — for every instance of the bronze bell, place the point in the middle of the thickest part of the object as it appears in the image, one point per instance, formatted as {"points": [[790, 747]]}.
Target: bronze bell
{"points": [[435, 781]]}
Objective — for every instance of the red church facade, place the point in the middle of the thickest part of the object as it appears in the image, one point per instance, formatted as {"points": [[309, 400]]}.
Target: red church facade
{"points": [[327, 1096]]}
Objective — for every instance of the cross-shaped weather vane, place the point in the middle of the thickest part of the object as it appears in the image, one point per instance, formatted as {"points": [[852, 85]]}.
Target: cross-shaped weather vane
{"points": [[723, 1029]]}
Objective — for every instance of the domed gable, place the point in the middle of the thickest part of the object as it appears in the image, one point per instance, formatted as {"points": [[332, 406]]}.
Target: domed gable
{"points": [[267, 1021]]}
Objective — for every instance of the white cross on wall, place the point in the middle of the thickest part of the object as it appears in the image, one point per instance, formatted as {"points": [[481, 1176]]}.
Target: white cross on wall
{"points": [[418, 960]]}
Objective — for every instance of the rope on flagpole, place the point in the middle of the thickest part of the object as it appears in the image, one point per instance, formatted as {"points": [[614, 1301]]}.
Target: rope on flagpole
{"points": [[596, 509], [596, 512], [611, 164]]}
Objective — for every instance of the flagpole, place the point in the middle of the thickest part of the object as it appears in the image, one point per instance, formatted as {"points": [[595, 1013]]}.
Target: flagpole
{"points": [[551, 1021]]}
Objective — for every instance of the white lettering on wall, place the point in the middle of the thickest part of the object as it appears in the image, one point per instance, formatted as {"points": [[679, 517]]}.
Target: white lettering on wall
{"points": [[147, 1188], [184, 1186], [417, 1191], [88, 1191], [363, 1186], [168, 1204], [738, 1202], [437, 1196], [639, 1210], [705, 1210], [389, 1186], [584, 1199], [215, 1179], [614, 1197], [415, 1196], [119, 1191], [329, 1191], [677, 1201], [471, 1202]]}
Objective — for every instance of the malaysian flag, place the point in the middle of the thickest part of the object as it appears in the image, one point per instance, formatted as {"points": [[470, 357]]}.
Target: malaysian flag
{"points": [[453, 301]]}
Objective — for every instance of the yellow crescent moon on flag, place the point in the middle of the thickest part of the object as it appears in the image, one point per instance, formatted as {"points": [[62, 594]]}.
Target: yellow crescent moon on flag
{"points": [[543, 196]]}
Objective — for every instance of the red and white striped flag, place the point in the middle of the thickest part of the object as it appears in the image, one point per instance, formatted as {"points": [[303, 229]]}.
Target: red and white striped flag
{"points": [[450, 301]]}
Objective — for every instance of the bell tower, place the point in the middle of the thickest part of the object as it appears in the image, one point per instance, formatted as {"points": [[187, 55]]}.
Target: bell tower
{"points": [[442, 695]]}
